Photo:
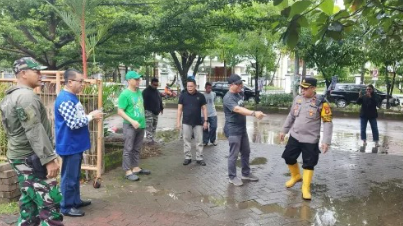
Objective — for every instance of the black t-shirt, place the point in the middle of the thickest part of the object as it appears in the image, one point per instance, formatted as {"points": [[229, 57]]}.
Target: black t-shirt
{"points": [[192, 104], [152, 100], [235, 124]]}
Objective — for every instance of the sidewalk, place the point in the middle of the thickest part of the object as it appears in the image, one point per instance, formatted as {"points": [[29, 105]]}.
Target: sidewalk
{"points": [[348, 189]]}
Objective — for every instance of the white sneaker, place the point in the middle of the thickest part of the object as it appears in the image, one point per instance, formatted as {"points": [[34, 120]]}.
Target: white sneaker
{"points": [[250, 177], [236, 181], [215, 143]]}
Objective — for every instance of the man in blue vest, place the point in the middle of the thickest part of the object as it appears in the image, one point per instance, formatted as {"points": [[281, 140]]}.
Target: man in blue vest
{"points": [[72, 139]]}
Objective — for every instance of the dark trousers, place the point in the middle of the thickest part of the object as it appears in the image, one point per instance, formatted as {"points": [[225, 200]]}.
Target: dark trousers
{"points": [[210, 134], [374, 128], [310, 153], [132, 147], [70, 181], [239, 143]]}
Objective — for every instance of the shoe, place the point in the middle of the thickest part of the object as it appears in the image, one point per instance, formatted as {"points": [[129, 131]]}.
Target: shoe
{"points": [[236, 181], [306, 184], [201, 162], [205, 144], [215, 143], [132, 177], [73, 212], [187, 162], [84, 203], [250, 177], [295, 175], [143, 172]]}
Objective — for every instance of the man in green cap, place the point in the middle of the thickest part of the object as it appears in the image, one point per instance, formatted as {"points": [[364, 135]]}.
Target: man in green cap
{"points": [[131, 109], [30, 148]]}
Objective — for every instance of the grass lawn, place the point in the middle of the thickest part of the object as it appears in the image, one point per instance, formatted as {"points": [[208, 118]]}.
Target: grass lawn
{"points": [[9, 208]]}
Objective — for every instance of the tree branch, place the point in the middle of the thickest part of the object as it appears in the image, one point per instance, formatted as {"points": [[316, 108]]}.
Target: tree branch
{"points": [[21, 48], [68, 63]]}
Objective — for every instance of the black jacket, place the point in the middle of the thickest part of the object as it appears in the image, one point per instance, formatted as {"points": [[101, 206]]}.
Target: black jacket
{"points": [[368, 106], [152, 100]]}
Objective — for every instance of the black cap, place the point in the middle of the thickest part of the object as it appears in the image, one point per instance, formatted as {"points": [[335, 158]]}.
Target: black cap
{"points": [[236, 79], [307, 82]]}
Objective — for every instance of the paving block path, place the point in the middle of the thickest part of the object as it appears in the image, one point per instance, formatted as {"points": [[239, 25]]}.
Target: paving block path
{"points": [[348, 189]]}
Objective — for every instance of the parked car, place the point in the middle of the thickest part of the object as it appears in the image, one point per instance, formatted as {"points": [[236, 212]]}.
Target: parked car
{"points": [[345, 93], [221, 88]]}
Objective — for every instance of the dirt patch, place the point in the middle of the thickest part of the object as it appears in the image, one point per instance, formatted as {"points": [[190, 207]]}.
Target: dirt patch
{"points": [[115, 143]]}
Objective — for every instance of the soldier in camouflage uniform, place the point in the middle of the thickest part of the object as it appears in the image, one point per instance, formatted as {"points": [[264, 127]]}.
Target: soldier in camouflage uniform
{"points": [[303, 123], [30, 149]]}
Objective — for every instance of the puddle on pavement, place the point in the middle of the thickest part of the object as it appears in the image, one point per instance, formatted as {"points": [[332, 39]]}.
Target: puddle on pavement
{"points": [[383, 204], [156, 192], [255, 161], [167, 135]]}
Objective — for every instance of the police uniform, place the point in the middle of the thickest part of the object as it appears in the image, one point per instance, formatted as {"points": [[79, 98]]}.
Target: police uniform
{"points": [[304, 123], [29, 149]]}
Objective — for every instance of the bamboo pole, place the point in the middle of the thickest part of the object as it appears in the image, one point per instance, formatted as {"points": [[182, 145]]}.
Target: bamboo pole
{"points": [[58, 85], [100, 132]]}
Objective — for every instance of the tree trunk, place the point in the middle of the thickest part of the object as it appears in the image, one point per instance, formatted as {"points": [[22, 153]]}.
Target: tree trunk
{"points": [[303, 69], [362, 73], [295, 75], [387, 87], [147, 75], [184, 65], [225, 69], [84, 54], [200, 60]]}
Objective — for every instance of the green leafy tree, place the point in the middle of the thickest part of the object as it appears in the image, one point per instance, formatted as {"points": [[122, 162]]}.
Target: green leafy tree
{"points": [[32, 28]]}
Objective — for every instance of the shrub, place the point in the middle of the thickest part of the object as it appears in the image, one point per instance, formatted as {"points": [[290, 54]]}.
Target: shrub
{"points": [[277, 100]]}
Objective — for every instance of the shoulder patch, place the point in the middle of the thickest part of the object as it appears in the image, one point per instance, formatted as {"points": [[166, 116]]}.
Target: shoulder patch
{"points": [[21, 114]]}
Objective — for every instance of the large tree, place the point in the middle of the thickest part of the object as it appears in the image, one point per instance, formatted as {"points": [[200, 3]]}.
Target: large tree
{"points": [[34, 28]]}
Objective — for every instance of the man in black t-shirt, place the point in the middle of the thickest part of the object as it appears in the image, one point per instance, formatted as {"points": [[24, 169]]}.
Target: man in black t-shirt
{"points": [[235, 130], [191, 103]]}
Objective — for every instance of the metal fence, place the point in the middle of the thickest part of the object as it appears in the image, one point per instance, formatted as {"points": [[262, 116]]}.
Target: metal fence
{"points": [[91, 99]]}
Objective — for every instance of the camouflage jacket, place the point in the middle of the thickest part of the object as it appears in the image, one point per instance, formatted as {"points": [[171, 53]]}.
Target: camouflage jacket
{"points": [[27, 125], [305, 117]]}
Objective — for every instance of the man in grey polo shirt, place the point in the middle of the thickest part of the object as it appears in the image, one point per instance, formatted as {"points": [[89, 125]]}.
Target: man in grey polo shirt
{"points": [[209, 134], [235, 130]]}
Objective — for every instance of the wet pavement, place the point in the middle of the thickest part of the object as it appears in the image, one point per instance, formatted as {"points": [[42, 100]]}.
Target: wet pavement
{"points": [[346, 132], [349, 187]]}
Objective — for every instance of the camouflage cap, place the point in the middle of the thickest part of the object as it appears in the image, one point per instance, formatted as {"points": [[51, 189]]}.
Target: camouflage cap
{"points": [[27, 63]]}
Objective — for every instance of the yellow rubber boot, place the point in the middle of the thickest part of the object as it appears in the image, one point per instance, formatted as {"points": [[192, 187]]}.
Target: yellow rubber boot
{"points": [[295, 175], [306, 184]]}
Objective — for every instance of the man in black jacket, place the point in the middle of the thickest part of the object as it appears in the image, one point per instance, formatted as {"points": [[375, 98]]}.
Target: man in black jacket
{"points": [[368, 112], [153, 107]]}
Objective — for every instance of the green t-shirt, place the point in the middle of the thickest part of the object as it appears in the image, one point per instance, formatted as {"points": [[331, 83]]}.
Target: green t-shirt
{"points": [[132, 104]]}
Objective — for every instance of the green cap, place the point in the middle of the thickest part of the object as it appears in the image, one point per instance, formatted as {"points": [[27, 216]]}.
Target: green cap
{"points": [[27, 63], [132, 75]]}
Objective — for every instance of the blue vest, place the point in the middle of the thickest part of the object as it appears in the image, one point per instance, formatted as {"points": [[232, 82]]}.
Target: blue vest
{"points": [[70, 141]]}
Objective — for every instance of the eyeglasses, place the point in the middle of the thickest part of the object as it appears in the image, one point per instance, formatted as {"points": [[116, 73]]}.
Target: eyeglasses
{"points": [[79, 81]]}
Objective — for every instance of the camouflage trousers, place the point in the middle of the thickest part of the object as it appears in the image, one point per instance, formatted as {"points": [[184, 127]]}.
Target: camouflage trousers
{"points": [[40, 199], [151, 127]]}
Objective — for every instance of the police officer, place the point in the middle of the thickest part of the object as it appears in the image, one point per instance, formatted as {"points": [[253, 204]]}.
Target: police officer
{"points": [[30, 149], [303, 123]]}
